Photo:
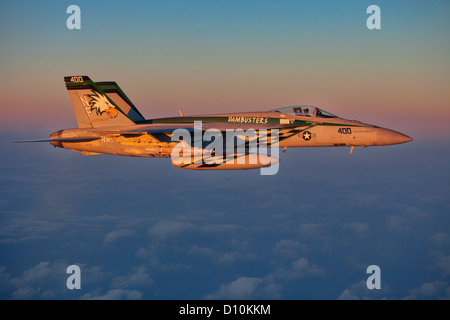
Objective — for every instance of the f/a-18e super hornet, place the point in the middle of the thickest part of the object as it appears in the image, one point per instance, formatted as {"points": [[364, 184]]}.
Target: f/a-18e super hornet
{"points": [[109, 123]]}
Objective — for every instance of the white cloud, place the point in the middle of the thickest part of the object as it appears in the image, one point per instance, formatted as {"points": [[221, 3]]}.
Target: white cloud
{"points": [[47, 280], [199, 251], [415, 213], [443, 264], [138, 278], [268, 287], [406, 218], [358, 228], [38, 282], [4, 277], [25, 293], [231, 257], [166, 229], [245, 288], [355, 292], [115, 294], [35, 276], [397, 223], [359, 291], [116, 235], [299, 269], [347, 294], [311, 230], [228, 258], [440, 238], [287, 248], [431, 290]]}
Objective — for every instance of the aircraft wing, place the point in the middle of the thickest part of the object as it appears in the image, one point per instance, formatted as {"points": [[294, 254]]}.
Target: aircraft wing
{"points": [[161, 131], [72, 139], [169, 128]]}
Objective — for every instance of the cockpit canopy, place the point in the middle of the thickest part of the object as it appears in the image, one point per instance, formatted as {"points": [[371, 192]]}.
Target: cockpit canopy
{"points": [[305, 111]]}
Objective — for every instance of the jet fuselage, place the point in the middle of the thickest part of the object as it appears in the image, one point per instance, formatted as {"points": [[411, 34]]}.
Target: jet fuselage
{"points": [[307, 132], [109, 123]]}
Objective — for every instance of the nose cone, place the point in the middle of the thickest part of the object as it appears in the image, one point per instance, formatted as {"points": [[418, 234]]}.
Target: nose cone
{"points": [[387, 137]]}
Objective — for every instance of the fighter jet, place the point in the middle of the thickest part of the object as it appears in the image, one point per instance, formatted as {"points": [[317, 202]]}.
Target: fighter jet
{"points": [[109, 123]]}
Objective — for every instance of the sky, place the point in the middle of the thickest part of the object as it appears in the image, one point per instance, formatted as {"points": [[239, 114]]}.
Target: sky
{"points": [[141, 229]]}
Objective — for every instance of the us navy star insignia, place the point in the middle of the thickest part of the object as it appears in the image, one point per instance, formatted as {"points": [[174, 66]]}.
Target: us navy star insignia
{"points": [[307, 135]]}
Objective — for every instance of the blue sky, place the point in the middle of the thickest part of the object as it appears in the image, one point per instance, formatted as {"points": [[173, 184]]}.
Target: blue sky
{"points": [[142, 229]]}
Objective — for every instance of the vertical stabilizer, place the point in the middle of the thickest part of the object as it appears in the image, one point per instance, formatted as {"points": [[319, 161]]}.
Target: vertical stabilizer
{"points": [[92, 106]]}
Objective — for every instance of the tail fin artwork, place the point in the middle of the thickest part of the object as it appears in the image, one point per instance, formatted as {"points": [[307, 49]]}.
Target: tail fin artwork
{"points": [[94, 108], [116, 94]]}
